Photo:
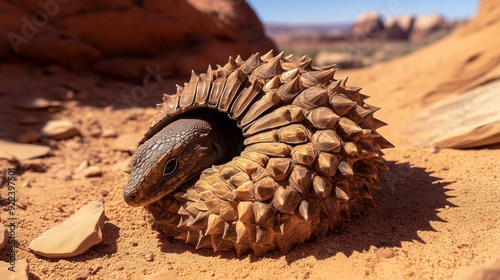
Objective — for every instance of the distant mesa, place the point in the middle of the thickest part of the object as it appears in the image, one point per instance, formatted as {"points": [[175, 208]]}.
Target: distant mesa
{"points": [[368, 26], [371, 25]]}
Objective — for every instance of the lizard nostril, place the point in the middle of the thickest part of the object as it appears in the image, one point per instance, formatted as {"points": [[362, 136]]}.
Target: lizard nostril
{"points": [[132, 198]]}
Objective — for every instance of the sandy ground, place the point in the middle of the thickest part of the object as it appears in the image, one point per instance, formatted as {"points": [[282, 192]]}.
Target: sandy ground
{"points": [[438, 209]]}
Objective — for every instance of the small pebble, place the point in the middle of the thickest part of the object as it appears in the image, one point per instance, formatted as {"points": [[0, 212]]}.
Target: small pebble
{"points": [[95, 132], [434, 150], [59, 129], [446, 207], [385, 252], [64, 175], [92, 171], [149, 257], [33, 103], [69, 95], [83, 274], [82, 166], [108, 133]]}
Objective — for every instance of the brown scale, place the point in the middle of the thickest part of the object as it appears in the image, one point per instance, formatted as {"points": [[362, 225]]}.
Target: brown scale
{"points": [[310, 162]]}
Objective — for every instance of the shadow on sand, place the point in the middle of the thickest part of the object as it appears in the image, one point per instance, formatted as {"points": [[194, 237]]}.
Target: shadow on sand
{"points": [[407, 204]]}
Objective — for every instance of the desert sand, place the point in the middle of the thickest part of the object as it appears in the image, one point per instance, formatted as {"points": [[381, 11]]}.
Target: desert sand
{"points": [[437, 210]]}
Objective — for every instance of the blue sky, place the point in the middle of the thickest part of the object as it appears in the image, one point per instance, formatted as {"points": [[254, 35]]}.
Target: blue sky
{"points": [[334, 11]]}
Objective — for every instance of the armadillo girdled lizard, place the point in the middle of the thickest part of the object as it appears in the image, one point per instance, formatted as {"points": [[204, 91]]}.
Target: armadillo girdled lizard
{"points": [[257, 155]]}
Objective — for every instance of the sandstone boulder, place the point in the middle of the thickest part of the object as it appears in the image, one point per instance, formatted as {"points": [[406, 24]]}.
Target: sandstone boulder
{"points": [[120, 38], [469, 120]]}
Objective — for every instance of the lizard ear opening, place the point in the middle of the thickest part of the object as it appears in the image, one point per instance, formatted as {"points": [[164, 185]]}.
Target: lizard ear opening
{"points": [[215, 147]]}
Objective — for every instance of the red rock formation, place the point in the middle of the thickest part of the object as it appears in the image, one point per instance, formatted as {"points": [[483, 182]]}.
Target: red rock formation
{"points": [[122, 37], [369, 25]]}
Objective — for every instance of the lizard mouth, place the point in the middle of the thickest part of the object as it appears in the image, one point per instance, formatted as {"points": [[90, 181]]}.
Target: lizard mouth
{"points": [[137, 198]]}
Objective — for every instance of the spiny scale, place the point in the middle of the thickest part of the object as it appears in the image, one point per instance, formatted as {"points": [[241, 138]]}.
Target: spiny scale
{"points": [[311, 157]]}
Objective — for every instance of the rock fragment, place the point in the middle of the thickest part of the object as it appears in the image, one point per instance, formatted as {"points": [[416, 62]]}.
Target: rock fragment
{"points": [[12, 150], [59, 129], [74, 236], [149, 257], [21, 271]]}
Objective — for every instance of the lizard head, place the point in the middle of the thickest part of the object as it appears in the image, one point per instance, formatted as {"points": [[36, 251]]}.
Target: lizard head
{"points": [[174, 156]]}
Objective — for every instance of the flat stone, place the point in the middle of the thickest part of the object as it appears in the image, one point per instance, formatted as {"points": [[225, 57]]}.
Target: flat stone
{"points": [[126, 141], [20, 272], [59, 129], [4, 236], [166, 274], [12, 150], [29, 136], [74, 236]]}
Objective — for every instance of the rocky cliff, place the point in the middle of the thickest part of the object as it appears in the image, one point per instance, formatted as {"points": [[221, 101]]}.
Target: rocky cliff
{"points": [[121, 38]]}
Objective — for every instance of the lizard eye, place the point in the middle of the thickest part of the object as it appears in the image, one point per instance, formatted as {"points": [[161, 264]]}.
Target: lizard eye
{"points": [[170, 167]]}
